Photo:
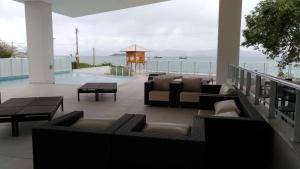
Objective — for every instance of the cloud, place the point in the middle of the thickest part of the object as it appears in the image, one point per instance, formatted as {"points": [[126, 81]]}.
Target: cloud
{"points": [[176, 24]]}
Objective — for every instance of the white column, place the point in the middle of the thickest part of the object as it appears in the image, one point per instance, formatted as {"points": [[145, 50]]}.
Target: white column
{"points": [[39, 41], [228, 36]]}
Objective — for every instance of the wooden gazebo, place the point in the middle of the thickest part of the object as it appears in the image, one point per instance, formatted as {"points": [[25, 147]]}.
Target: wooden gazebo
{"points": [[135, 55]]}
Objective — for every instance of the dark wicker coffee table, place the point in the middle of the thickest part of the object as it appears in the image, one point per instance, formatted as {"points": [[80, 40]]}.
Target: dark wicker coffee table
{"points": [[17, 110], [98, 88]]}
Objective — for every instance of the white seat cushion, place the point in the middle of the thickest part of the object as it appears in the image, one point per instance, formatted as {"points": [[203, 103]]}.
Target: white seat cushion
{"points": [[206, 112], [170, 129], [155, 95], [228, 114], [192, 97], [226, 106], [87, 123]]}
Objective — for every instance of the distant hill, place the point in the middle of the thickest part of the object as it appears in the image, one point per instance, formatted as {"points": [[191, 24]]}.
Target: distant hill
{"points": [[118, 54]]}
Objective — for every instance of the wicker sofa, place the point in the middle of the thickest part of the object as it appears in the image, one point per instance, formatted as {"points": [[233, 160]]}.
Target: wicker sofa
{"points": [[135, 148], [177, 93], [57, 144], [235, 142]]}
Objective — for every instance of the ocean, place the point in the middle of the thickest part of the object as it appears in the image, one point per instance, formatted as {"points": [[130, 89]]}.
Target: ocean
{"points": [[194, 64]]}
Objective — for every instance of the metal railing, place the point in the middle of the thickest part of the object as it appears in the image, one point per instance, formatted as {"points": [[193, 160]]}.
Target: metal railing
{"points": [[14, 67], [121, 71], [280, 97], [196, 67], [181, 67]]}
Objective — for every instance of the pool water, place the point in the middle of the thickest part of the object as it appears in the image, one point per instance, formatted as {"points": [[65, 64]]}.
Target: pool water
{"points": [[71, 78]]}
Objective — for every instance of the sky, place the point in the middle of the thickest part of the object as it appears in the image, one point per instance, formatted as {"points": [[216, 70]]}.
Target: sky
{"points": [[186, 25]]}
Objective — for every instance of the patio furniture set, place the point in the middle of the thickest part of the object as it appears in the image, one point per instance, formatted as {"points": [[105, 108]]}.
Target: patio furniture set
{"points": [[226, 133], [133, 142]]}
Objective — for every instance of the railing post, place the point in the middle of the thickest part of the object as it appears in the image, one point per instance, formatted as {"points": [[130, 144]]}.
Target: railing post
{"points": [[66, 63], [236, 76], [290, 71], [210, 65], [168, 66], [296, 137], [0, 68], [242, 79], [257, 89], [146, 64], [273, 99], [232, 73], [11, 67], [21, 65], [248, 84], [180, 67], [194, 67], [264, 67]]}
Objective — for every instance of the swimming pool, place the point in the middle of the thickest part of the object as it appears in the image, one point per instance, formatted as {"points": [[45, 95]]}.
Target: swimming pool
{"points": [[71, 78]]}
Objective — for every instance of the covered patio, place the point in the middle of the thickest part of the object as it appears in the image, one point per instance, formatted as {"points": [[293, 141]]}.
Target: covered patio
{"points": [[16, 152]]}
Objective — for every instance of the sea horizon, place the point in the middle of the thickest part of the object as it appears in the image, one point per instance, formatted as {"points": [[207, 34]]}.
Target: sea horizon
{"points": [[192, 64]]}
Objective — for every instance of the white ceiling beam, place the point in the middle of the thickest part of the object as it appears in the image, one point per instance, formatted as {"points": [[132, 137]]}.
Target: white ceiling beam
{"points": [[77, 8]]}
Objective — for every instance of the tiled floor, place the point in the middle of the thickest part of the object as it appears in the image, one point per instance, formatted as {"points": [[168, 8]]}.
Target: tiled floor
{"points": [[16, 152]]}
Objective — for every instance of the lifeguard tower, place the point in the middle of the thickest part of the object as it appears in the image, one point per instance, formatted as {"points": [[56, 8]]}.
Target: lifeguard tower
{"points": [[135, 55]]}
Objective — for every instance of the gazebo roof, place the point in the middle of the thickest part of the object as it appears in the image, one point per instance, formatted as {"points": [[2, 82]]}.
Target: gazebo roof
{"points": [[135, 48]]}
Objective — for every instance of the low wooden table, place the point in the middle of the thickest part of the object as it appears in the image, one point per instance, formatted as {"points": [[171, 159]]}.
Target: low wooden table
{"points": [[17, 110], [98, 88]]}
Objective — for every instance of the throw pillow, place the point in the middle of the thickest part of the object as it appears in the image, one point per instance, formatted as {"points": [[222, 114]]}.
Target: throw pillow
{"points": [[227, 89], [226, 106]]}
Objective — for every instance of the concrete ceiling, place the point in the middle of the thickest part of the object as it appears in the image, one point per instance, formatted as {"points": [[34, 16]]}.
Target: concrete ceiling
{"points": [[77, 8]]}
